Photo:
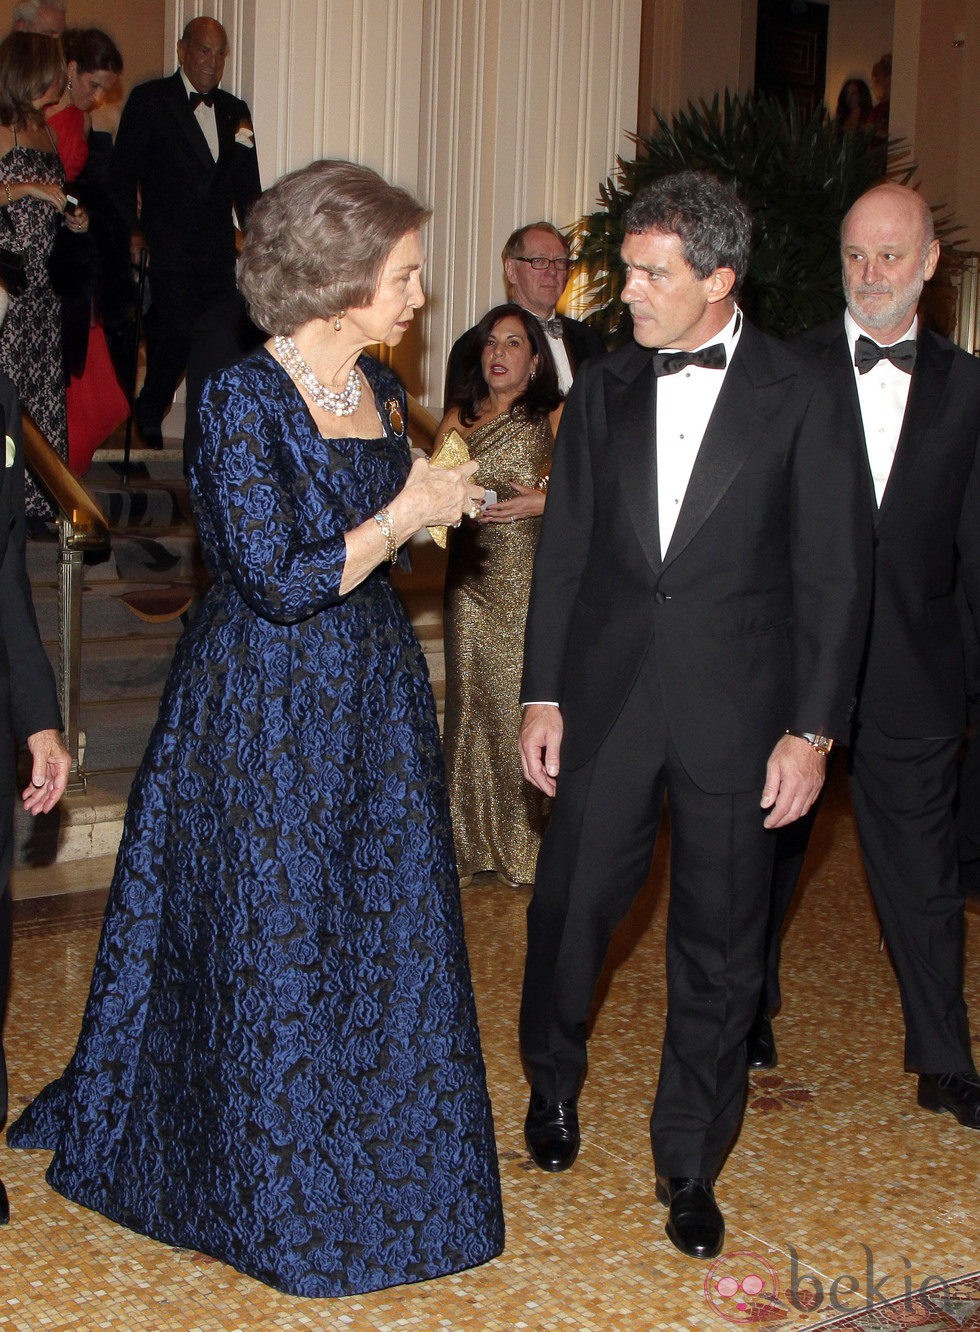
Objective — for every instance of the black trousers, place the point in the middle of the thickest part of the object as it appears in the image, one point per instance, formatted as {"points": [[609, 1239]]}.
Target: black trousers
{"points": [[904, 794], [6, 855], [179, 303], [594, 859]]}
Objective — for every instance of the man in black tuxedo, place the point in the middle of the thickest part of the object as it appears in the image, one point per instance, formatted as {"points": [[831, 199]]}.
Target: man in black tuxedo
{"points": [[699, 595], [916, 407], [184, 159], [28, 698], [536, 263]]}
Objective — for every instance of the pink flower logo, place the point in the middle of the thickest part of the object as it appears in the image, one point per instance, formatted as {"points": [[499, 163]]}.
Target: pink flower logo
{"points": [[744, 1288]]}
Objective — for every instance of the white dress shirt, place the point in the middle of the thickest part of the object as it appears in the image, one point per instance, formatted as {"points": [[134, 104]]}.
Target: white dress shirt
{"points": [[559, 355], [685, 402], [204, 115], [883, 393]]}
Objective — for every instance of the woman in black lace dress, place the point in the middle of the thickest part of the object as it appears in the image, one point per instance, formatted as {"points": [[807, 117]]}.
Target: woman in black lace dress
{"points": [[32, 208]]}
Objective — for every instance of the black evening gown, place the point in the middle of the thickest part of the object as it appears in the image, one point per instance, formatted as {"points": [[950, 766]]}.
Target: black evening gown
{"points": [[279, 1062]]}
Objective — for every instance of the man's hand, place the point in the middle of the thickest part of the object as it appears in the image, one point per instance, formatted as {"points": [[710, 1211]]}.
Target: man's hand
{"points": [[794, 776], [137, 242], [539, 744], [49, 772]]}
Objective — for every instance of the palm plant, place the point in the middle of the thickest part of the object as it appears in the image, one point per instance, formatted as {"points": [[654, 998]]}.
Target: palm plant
{"points": [[798, 177]]}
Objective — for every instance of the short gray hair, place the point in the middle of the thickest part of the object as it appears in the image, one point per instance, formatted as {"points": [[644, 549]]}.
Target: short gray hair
{"points": [[714, 225], [317, 241], [28, 10]]}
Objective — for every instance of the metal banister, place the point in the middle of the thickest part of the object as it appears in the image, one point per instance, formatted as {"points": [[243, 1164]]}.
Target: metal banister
{"points": [[81, 527]]}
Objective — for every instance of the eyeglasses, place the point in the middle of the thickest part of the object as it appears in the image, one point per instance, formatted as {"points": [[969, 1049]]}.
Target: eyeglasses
{"points": [[539, 262]]}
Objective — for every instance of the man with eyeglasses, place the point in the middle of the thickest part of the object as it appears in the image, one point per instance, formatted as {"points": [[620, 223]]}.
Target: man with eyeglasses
{"points": [[536, 263]]}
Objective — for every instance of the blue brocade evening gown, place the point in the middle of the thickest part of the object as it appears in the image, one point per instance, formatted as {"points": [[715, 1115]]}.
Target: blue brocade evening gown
{"points": [[279, 1062]]}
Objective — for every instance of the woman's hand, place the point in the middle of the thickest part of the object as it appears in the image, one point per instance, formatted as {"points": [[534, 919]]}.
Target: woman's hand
{"points": [[431, 497], [39, 189], [527, 503], [435, 497], [77, 221]]}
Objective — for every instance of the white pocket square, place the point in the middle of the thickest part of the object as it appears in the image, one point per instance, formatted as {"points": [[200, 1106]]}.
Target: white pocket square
{"points": [[11, 452]]}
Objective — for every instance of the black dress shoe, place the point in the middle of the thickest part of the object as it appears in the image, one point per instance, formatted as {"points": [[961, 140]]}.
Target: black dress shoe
{"points": [[551, 1132], [760, 1044], [4, 1205], [695, 1225], [959, 1093], [149, 429]]}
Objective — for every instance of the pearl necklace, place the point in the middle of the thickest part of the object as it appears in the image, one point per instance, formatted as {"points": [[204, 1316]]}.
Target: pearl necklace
{"points": [[344, 403]]}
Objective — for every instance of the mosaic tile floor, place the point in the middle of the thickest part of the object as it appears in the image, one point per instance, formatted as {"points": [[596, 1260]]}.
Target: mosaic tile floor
{"points": [[839, 1193]]}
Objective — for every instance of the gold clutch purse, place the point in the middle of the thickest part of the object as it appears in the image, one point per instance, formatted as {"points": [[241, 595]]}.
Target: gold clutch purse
{"points": [[452, 452]]}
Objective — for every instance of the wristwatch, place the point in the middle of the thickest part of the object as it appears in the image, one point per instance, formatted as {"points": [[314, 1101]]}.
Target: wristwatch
{"points": [[823, 744]]}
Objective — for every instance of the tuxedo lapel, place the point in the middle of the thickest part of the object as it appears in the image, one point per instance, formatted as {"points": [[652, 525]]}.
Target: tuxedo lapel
{"points": [[227, 120], [631, 413], [186, 122], [737, 422], [5, 477], [932, 367], [841, 358]]}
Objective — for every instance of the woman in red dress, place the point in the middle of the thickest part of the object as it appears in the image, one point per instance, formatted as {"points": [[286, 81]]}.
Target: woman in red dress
{"points": [[96, 403]]}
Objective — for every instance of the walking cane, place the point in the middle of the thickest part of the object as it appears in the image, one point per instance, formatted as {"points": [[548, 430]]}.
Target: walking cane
{"points": [[140, 291]]}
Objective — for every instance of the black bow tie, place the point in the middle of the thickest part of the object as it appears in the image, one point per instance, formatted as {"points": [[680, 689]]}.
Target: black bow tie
{"points": [[197, 98], [867, 354], [552, 327], [671, 362]]}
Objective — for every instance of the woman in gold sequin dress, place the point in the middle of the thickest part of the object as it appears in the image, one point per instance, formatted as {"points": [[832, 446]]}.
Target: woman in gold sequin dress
{"points": [[507, 410]]}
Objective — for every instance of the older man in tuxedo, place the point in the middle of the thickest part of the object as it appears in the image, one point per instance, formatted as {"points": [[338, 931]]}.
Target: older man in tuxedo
{"points": [[184, 160], [28, 699], [914, 400], [46, 17], [699, 596], [537, 258]]}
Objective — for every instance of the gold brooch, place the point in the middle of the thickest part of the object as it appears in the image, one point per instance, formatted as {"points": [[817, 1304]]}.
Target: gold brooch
{"points": [[395, 419]]}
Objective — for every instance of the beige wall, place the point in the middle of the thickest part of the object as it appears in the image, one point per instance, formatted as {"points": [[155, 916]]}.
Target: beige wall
{"points": [[693, 49], [496, 112], [859, 32], [136, 26], [936, 101]]}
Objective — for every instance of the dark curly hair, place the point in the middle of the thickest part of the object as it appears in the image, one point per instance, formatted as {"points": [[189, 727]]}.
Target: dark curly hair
{"points": [[542, 394], [712, 222], [865, 100]]}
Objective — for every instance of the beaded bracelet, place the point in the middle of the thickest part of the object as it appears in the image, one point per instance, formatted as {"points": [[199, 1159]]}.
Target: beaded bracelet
{"points": [[10, 197], [384, 520]]}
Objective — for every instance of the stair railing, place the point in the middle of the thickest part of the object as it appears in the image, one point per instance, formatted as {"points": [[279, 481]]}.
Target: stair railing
{"points": [[422, 425], [81, 527]]}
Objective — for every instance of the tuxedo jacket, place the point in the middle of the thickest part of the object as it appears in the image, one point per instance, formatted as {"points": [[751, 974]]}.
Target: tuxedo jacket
{"points": [[185, 196], [755, 618], [28, 695], [581, 341], [926, 538]]}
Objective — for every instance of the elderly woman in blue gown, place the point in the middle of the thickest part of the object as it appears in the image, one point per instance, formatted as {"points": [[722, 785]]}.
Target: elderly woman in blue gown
{"points": [[279, 1063]]}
